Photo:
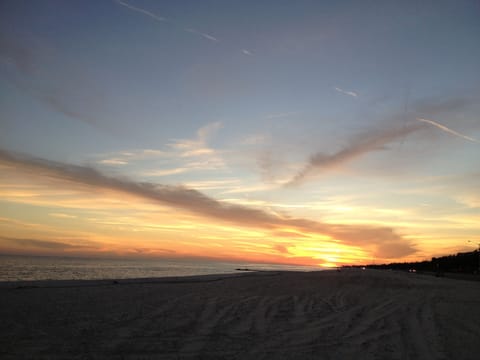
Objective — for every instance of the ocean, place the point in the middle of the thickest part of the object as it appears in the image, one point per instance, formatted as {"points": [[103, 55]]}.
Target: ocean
{"points": [[28, 268]]}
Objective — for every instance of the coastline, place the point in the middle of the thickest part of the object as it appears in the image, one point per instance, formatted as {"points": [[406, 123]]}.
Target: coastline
{"points": [[34, 268], [186, 279], [351, 314]]}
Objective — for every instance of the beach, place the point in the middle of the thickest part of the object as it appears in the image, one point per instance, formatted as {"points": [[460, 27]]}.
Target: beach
{"points": [[348, 314]]}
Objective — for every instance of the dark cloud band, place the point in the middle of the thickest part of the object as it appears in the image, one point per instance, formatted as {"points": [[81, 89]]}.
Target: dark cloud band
{"points": [[384, 240]]}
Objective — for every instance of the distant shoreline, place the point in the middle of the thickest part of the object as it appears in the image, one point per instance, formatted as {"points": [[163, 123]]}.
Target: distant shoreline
{"points": [[127, 281], [31, 268], [191, 279]]}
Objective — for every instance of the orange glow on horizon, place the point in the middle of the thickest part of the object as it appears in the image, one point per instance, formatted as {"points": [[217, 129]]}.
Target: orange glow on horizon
{"points": [[66, 219]]}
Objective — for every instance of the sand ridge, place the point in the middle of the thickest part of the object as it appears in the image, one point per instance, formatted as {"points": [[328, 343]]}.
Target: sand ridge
{"points": [[351, 314]]}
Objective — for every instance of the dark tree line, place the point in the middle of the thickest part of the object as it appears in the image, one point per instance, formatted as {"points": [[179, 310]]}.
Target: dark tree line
{"points": [[466, 262]]}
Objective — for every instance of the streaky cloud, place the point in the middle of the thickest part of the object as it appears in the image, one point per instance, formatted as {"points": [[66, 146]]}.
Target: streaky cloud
{"points": [[163, 19], [198, 147], [205, 35], [166, 172], [32, 76], [142, 11], [384, 241], [45, 244], [114, 162], [62, 216], [359, 146], [150, 14], [447, 130], [345, 92]]}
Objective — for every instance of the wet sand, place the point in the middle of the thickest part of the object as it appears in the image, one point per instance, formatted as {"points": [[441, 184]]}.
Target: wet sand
{"points": [[351, 314]]}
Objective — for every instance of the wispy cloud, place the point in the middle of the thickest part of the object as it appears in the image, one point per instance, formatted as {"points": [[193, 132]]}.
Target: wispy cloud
{"points": [[253, 188], [114, 162], [447, 130], [166, 172], [125, 157], [62, 215], [65, 93], [179, 156], [345, 92], [205, 35], [359, 146], [44, 244], [198, 146], [214, 184], [142, 11], [163, 19], [191, 30], [384, 241]]}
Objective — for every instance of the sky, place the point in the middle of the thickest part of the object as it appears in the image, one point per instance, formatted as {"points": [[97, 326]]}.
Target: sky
{"points": [[319, 133]]}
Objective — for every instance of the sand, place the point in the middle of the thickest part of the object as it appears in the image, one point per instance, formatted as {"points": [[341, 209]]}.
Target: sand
{"points": [[352, 314]]}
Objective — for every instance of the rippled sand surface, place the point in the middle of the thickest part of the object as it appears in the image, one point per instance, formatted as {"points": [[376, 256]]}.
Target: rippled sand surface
{"points": [[351, 314]]}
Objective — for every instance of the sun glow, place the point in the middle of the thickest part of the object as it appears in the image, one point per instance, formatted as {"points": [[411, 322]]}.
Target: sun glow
{"points": [[46, 214], [128, 225]]}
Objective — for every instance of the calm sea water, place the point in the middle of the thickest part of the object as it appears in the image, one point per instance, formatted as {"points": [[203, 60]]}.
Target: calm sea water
{"points": [[15, 268]]}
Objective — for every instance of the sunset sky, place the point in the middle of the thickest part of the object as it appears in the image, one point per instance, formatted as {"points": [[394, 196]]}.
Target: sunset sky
{"points": [[296, 132]]}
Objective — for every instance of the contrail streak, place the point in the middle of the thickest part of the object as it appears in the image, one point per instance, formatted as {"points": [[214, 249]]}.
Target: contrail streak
{"points": [[187, 29], [162, 19], [446, 129], [142, 11], [206, 36], [350, 93]]}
